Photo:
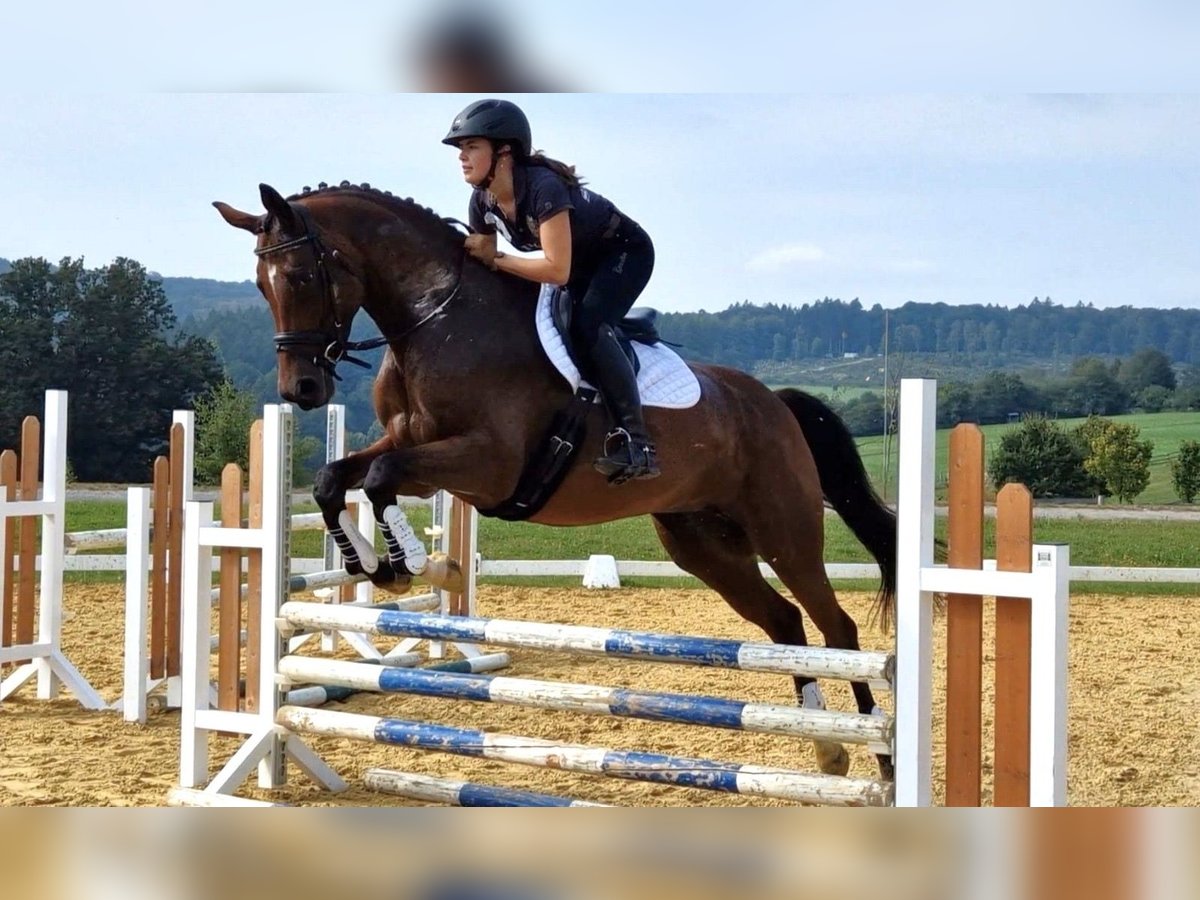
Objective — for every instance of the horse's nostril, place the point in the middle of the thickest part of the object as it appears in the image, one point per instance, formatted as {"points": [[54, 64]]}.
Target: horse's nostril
{"points": [[307, 388]]}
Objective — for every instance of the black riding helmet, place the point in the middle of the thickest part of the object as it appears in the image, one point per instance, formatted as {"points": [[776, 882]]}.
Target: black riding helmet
{"points": [[499, 121]]}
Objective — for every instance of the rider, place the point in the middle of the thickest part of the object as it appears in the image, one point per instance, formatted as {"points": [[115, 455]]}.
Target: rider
{"points": [[602, 256]]}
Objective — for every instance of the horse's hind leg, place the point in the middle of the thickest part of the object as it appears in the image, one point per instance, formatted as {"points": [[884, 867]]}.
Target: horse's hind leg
{"points": [[715, 549], [796, 555]]}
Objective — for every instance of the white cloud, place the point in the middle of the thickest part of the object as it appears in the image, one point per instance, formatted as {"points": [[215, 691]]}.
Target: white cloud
{"points": [[775, 258]]}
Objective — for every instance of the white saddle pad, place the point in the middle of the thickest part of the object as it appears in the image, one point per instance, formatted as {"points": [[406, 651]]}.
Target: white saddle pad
{"points": [[664, 379]]}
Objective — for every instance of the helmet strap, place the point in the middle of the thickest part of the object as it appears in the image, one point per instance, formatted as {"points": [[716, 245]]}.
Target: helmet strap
{"points": [[496, 154]]}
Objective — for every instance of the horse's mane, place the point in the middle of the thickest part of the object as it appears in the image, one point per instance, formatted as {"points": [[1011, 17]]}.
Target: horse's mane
{"points": [[403, 206]]}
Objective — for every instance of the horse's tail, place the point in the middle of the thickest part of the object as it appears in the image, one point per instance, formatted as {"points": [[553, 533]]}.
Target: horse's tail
{"points": [[848, 490]]}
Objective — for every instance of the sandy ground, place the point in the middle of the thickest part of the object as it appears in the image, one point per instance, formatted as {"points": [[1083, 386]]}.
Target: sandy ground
{"points": [[1134, 700]]}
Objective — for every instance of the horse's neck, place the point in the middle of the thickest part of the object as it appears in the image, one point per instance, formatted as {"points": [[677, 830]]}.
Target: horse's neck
{"points": [[496, 314]]}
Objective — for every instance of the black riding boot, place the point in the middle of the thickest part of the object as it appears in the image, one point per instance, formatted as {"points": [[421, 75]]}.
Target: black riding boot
{"points": [[628, 452]]}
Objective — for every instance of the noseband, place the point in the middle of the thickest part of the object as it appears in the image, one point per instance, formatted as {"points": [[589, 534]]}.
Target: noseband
{"points": [[334, 342]]}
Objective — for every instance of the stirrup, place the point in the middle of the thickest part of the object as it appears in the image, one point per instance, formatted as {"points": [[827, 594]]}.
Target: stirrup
{"points": [[629, 461]]}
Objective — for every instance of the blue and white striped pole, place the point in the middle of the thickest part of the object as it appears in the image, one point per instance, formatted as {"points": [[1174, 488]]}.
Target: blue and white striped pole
{"points": [[783, 659], [459, 793], [761, 781], [715, 712]]}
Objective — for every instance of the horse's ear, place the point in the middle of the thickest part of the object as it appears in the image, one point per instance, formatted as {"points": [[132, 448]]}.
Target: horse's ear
{"points": [[238, 219], [277, 207]]}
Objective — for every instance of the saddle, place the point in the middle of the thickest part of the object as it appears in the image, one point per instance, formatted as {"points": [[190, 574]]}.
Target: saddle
{"points": [[640, 326], [553, 456]]}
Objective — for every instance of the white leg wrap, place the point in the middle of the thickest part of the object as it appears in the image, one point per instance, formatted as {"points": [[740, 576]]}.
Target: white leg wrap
{"points": [[415, 555], [813, 698], [367, 557]]}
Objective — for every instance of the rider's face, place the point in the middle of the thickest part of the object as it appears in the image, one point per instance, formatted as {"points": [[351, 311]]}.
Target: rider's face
{"points": [[475, 156]]}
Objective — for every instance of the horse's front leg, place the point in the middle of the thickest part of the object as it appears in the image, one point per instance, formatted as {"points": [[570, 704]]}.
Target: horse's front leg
{"points": [[459, 464], [329, 490]]}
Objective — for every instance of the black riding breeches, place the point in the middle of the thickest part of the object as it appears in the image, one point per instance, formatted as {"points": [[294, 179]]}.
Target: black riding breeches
{"points": [[617, 279]]}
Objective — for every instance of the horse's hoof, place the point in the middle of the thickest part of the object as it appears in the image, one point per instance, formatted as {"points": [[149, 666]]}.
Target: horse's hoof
{"points": [[443, 572], [887, 769], [832, 759], [390, 580]]}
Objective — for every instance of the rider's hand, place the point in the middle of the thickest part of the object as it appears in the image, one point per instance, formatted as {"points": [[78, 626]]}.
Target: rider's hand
{"points": [[483, 248]]}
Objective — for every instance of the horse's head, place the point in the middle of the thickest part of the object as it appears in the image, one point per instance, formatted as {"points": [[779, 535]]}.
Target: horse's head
{"points": [[312, 293]]}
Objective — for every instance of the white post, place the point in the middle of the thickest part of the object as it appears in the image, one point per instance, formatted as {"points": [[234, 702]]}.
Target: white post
{"points": [[54, 463], [914, 607], [364, 591], [137, 555], [335, 448], [470, 562], [1048, 676], [276, 556], [195, 644]]}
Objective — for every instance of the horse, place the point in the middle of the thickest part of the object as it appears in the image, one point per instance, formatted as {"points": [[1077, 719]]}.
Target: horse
{"points": [[464, 394]]}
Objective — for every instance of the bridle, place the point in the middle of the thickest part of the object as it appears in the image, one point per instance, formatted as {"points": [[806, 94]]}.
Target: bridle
{"points": [[333, 344]]}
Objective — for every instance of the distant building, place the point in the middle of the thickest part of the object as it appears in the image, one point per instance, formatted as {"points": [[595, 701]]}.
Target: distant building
{"points": [[849, 356]]}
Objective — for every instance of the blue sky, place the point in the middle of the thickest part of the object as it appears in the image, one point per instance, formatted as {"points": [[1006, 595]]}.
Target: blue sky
{"points": [[773, 198]]}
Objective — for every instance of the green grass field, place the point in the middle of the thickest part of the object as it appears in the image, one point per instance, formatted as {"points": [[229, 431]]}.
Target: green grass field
{"points": [[1100, 543]]}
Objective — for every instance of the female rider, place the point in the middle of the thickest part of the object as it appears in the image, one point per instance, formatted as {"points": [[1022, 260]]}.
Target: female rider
{"points": [[601, 256]]}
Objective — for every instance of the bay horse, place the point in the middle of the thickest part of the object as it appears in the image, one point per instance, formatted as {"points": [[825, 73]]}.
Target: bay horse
{"points": [[465, 392]]}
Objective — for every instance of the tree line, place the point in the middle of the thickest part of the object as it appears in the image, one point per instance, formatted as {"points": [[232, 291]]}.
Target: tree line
{"points": [[746, 334], [1143, 382]]}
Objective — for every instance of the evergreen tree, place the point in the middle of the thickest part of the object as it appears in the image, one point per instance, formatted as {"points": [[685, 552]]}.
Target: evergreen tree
{"points": [[108, 337], [1042, 456]]}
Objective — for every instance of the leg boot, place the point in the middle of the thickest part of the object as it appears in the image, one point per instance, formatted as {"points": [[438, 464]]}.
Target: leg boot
{"points": [[628, 452]]}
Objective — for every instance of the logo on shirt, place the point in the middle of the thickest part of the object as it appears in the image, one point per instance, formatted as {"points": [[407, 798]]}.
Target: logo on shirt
{"points": [[498, 223]]}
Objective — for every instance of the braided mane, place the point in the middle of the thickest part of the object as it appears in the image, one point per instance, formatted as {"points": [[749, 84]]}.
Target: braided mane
{"points": [[386, 199]]}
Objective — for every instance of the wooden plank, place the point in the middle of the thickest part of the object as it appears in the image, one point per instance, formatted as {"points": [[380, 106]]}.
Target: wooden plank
{"points": [[254, 569], [31, 437], [459, 546], [8, 481], [1014, 548], [175, 551], [161, 502], [964, 622], [229, 606]]}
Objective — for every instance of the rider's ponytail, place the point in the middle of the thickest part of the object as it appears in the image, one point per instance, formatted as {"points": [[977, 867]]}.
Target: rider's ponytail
{"points": [[561, 169]]}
